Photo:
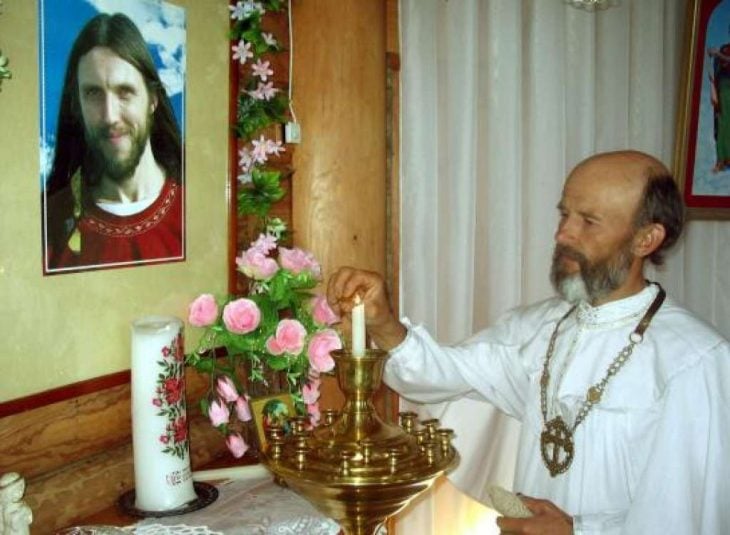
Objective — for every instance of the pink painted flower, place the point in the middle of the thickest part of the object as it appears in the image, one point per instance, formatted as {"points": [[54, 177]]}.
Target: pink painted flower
{"points": [[236, 445], [256, 265], [242, 51], [320, 346], [241, 316], [314, 414], [203, 311], [180, 430], [218, 413], [262, 69], [322, 313], [289, 338], [310, 392], [164, 439], [243, 411], [296, 260], [226, 389], [174, 387]]}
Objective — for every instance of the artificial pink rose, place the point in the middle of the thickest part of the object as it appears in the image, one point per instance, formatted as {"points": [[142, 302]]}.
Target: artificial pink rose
{"points": [[218, 413], [273, 346], [310, 392], [236, 445], [290, 335], [243, 411], [203, 311], [296, 261], [314, 414], [322, 313], [319, 350], [241, 316], [226, 389], [255, 264]]}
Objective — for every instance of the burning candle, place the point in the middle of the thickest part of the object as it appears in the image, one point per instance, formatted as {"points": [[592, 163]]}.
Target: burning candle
{"points": [[358, 328], [162, 475]]}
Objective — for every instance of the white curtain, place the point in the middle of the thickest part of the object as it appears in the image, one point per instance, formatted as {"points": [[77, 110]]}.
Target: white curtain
{"points": [[500, 99]]}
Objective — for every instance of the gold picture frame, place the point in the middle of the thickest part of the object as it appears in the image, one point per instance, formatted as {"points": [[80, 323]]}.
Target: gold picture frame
{"points": [[702, 147], [279, 406]]}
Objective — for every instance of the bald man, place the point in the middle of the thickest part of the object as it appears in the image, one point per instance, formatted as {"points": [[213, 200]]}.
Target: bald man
{"points": [[623, 395]]}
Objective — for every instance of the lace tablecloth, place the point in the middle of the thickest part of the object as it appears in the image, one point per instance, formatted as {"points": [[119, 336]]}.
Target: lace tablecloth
{"points": [[246, 507]]}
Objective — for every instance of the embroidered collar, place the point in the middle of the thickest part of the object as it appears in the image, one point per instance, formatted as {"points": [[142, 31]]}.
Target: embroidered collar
{"points": [[618, 312]]}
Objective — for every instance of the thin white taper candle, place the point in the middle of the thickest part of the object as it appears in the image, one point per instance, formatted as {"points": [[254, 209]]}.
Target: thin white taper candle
{"points": [[358, 328]]}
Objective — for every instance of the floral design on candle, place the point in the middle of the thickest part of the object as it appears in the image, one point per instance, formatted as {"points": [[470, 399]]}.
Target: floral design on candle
{"points": [[169, 398]]}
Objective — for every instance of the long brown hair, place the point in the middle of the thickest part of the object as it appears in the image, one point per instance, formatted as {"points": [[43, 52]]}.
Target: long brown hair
{"points": [[118, 33]]}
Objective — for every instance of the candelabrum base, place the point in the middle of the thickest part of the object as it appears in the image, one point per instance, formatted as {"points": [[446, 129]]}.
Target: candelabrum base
{"points": [[356, 468]]}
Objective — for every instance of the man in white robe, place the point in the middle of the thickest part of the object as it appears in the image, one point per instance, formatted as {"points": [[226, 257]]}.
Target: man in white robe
{"points": [[623, 395]]}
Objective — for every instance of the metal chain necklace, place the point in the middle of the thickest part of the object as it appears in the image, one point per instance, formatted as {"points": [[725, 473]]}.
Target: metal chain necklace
{"points": [[556, 439]]}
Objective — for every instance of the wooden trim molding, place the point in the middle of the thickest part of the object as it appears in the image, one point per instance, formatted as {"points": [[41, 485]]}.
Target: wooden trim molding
{"points": [[63, 393]]}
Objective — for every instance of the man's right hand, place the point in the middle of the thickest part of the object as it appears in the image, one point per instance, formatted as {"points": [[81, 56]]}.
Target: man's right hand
{"points": [[382, 326]]}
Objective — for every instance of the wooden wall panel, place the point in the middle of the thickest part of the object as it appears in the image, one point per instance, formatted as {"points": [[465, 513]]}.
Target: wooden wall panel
{"points": [[76, 454], [339, 181]]}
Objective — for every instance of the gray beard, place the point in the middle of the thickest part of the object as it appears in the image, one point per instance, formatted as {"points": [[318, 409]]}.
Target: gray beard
{"points": [[573, 289], [593, 281]]}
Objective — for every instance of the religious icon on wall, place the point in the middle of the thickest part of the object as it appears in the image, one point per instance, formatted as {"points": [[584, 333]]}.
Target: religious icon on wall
{"points": [[702, 159], [112, 101]]}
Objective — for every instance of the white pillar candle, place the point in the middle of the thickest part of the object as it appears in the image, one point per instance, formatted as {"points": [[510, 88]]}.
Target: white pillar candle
{"points": [[162, 475], [358, 328]]}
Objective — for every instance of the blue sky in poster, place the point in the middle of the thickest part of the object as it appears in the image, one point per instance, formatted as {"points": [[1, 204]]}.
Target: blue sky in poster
{"points": [[162, 25], [705, 180]]}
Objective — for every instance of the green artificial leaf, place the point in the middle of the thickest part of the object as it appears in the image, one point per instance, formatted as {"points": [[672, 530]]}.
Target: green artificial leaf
{"points": [[278, 362], [254, 114], [265, 189]]}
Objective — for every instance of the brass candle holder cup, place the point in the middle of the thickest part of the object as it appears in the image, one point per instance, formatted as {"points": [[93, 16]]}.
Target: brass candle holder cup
{"points": [[355, 468]]}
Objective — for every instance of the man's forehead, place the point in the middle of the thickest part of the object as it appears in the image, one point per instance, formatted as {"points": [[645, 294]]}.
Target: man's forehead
{"points": [[102, 63]]}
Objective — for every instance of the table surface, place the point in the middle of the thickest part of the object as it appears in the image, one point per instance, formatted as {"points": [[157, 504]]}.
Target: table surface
{"points": [[113, 515]]}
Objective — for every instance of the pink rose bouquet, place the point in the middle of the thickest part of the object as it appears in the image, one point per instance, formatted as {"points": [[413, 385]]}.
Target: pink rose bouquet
{"points": [[280, 328]]}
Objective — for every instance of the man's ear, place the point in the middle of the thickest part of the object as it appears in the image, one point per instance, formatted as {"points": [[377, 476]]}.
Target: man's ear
{"points": [[648, 239]]}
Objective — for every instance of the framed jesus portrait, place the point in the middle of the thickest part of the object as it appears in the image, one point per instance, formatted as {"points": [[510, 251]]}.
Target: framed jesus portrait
{"points": [[112, 123], [702, 153]]}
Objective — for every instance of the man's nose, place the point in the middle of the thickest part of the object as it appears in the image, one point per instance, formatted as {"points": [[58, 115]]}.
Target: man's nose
{"points": [[565, 233], [111, 108]]}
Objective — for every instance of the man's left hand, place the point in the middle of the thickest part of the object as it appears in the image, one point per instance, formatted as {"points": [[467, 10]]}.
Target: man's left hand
{"points": [[548, 519]]}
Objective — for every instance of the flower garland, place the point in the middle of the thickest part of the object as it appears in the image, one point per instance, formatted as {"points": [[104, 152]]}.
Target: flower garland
{"points": [[5, 73], [260, 105], [280, 326]]}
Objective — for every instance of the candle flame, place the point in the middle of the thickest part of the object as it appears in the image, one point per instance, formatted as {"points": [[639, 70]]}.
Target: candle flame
{"points": [[357, 300]]}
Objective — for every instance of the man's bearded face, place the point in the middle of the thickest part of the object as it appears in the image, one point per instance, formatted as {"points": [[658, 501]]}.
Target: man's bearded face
{"points": [[594, 279], [103, 159], [116, 109]]}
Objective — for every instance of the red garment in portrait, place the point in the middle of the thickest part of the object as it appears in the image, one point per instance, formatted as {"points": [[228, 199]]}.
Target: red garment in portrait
{"points": [[154, 234]]}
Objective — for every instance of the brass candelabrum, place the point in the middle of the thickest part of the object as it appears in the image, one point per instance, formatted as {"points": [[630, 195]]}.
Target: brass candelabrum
{"points": [[355, 468]]}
